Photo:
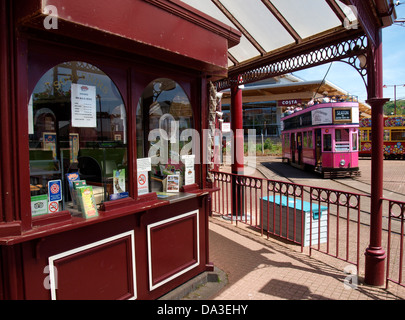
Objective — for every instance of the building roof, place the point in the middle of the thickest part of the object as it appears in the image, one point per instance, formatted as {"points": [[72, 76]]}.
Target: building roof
{"points": [[295, 89], [269, 26], [284, 36]]}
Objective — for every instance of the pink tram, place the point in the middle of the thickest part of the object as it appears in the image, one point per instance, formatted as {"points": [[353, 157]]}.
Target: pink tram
{"points": [[323, 137]]}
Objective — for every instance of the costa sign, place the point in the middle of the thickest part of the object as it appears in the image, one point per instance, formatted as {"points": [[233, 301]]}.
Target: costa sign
{"points": [[288, 103]]}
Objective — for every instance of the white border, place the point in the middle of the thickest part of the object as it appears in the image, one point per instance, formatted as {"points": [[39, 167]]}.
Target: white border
{"points": [[153, 287], [89, 246]]}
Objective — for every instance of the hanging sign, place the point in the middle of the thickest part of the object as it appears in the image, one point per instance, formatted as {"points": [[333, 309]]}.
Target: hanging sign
{"points": [[84, 103]]}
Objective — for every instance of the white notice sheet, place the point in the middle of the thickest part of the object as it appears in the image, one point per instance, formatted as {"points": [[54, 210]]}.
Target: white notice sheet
{"points": [[84, 104]]}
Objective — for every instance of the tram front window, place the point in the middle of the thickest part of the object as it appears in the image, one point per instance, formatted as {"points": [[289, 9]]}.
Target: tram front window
{"points": [[327, 142], [342, 140]]}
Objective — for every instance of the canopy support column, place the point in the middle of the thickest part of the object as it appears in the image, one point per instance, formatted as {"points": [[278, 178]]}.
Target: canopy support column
{"points": [[237, 129], [375, 254]]}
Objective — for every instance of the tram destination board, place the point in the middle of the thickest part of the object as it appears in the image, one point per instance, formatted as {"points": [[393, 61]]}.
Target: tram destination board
{"points": [[342, 115]]}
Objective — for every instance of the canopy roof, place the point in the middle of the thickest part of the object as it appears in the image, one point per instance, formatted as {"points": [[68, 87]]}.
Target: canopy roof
{"points": [[296, 89], [276, 27]]}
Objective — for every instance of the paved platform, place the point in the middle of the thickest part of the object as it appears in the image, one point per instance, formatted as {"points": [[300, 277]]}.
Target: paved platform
{"points": [[258, 268]]}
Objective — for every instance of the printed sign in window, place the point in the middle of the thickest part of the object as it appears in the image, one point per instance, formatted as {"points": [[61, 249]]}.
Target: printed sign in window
{"points": [[84, 105]]}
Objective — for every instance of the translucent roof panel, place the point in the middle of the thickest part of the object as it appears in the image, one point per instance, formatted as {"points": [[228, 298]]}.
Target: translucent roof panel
{"points": [[268, 25], [211, 9], [259, 22], [308, 17], [348, 10], [244, 51]]}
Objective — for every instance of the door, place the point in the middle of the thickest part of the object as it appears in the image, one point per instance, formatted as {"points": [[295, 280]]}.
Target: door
{"points": [[293, 147], [318, 148], [299, 147]]}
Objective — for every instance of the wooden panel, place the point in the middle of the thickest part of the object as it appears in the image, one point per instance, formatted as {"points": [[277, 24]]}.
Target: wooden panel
{"points": [[103, 270], [173, 248]]}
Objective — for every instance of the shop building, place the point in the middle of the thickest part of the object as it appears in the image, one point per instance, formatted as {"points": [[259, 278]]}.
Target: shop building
{"points": [[99, 199]]}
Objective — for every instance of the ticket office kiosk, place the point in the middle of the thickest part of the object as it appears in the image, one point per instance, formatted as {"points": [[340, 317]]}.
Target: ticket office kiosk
{"points": [[103, 196]]}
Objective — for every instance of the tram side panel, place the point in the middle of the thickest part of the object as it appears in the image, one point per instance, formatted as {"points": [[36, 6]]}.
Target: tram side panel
{"points": [[394, 137]]}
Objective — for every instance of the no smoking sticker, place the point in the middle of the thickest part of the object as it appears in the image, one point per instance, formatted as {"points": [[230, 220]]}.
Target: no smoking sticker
{"points": [[53, 207], [143, 185], [142, 179]]}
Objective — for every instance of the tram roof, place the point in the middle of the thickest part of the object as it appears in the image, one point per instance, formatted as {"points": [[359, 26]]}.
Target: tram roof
{"points": [[273, 28]]}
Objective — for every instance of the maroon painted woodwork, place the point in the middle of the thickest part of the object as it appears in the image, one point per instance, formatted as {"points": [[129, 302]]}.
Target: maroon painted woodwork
{"points": [[176, 32], [173, 247], [103, 271], [107, 257]]}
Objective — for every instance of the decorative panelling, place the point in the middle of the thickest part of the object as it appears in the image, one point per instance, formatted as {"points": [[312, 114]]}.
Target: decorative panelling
{"points": [[173, 248], [103, 270]]}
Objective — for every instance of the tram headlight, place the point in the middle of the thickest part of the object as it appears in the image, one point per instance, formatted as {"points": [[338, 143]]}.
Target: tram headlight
{"points": [[342, 163]]}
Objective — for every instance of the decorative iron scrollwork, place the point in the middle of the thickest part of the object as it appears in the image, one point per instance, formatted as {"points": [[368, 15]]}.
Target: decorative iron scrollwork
{"points": [[352, 51]]}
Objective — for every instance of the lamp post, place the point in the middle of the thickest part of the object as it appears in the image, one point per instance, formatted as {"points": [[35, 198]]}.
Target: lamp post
{"points": [[395, 93]]}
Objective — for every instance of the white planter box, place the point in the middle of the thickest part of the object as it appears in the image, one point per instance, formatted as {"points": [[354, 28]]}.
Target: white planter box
{"points": [[287, 204]]}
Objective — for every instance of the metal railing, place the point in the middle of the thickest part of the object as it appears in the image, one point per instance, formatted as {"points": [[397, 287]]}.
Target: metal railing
{"points": [[332, 222], [395, 242], [320, 219]]}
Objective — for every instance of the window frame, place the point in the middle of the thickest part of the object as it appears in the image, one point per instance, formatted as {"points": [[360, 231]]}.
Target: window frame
{"points": [[130, 75], [100, 85]]}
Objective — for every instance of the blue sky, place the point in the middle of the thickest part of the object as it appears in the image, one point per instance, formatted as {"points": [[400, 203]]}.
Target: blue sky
{"points": [[347, 78]]}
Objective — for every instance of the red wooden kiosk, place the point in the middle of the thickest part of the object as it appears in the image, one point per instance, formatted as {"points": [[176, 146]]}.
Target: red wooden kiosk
{"points": [[80, 90]]}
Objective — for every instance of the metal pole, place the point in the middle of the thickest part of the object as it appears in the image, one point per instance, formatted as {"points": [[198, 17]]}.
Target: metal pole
{"points": [[375, 255], [237, 150], [237, 128]]}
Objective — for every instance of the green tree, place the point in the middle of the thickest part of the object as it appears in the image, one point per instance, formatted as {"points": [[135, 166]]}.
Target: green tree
{"points": [[389, 108]]}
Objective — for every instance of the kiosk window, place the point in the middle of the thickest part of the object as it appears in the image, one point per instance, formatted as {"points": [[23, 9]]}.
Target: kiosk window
{"points": [[164, 121], [77, 132]]}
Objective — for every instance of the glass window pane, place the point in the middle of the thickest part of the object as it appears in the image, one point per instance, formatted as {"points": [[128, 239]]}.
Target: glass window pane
{"points": [[163, 118], [398, 135], [387, 135], [310, 143], [327, 142], [77, 128], [355, 141], [342, 135]]}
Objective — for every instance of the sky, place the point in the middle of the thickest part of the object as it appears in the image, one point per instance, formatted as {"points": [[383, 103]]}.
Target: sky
{"points": [[347, 78]]}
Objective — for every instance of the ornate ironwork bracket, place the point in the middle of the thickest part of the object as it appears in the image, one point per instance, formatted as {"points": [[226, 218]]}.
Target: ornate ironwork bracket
{"points": [[352, 51]]}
